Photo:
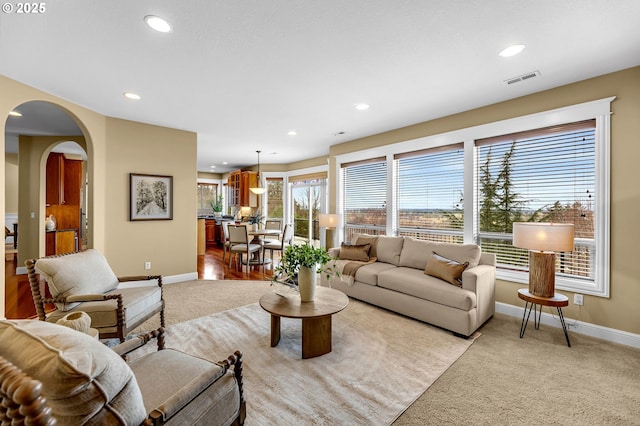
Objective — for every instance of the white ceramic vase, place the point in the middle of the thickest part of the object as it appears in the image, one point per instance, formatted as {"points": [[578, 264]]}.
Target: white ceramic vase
{"points": [[50, 223], [307, 278]]}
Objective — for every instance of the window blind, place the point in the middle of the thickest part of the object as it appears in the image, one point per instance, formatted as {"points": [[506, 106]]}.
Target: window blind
{"points": [[364, 186], [429, 193], [545, 175]]}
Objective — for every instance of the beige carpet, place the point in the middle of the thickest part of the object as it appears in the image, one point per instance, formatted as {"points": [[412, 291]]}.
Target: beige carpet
{"points": [[500, 380], [379, 365]]}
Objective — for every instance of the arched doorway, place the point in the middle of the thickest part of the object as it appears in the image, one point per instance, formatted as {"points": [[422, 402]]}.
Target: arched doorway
{"points": [[37, 130]]}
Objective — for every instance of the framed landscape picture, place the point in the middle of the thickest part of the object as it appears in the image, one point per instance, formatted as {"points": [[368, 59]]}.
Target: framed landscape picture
{"points": [[151, 197]]}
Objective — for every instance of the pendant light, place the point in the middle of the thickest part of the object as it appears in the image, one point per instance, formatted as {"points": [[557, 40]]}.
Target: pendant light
{"points": [[258, 190]]}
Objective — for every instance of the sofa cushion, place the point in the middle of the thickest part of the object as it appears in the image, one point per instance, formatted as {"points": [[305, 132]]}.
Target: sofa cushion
{"points": [[446, 269], [416, 253], [86, 272], [368, 274], [359, 252], [415, 283], [388, 249], [368, 239], [83, 380]]}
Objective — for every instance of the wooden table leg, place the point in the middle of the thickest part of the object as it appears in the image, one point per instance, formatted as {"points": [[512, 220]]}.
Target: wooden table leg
{"points": [[275, 330], [316, 336]]}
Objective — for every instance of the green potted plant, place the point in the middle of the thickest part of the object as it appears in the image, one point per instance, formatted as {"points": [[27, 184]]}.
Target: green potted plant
{"points": [[299, 267], [255, 219], [216, 205]]}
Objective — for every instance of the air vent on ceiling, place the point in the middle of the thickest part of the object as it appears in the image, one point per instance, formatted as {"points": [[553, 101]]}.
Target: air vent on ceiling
{"points": [[523, 77]]}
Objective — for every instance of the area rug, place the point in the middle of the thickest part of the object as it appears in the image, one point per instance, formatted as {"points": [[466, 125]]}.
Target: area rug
{"points": [[380, 363]]}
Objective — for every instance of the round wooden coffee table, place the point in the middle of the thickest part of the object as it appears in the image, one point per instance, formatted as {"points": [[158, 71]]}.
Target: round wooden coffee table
{"points": [[316, 317]]}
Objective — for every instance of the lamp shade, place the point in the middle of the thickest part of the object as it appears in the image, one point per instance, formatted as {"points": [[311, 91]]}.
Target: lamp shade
{"points": [[329, 220], [543, 236]]}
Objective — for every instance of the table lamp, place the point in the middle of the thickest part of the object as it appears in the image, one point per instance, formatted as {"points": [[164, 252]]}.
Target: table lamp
{"points": [[542, 240], [330, 222]]}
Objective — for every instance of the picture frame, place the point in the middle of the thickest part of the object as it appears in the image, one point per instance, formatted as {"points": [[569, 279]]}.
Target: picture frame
{"points": [[150, 197]]}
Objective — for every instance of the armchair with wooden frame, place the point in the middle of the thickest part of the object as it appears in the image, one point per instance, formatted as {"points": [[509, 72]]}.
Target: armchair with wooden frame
{"points": [[52, 374], [84, 281]]}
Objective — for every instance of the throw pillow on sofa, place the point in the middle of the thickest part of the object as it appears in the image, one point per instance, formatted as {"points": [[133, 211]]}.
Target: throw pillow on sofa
{"points": [[359, 252], [446, 269]]}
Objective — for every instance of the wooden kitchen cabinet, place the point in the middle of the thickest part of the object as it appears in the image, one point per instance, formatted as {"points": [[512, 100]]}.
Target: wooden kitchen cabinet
{"points": [[61, 241], [55, 179], [233, 184], [210, 232], [248, 180], [239, 183], [64, 182]]}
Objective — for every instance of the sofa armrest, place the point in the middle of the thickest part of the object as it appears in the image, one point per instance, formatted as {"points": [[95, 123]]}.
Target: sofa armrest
{"points": [[481, 280], [479, 277]]}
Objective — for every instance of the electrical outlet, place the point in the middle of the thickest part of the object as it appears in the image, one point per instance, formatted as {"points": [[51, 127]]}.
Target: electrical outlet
{"points": [[578, 299], [147, 265]]}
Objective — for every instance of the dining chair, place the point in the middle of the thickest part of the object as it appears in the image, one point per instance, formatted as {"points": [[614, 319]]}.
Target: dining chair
{"points": [[239, 243], [8, 233], [272, 224], [225, 236], [280, 245]]}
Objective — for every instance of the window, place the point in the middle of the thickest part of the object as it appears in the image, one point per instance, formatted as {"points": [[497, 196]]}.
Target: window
{"points": [[545, 175], [275, 201], [364, 186], [548, 166], [207, 192], [430, 194], [308, 193]]}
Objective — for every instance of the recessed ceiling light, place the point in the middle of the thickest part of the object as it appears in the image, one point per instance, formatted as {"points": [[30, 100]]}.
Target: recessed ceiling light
{"points": [[131, 95], [362, 107], [212, 167], [512, 50], [157, 23], [292, 133], [224, 162], [15, 114]]}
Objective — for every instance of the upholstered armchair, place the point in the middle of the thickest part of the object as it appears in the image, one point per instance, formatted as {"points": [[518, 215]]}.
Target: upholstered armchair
{"points": [[51, 373], [85, 282]]}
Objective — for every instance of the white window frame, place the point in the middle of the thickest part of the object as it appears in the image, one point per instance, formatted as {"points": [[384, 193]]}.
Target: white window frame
{"points": [[600, 110]]}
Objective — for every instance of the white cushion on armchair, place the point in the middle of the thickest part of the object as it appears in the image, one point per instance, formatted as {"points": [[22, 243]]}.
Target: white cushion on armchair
{"points": [[87, 272]]}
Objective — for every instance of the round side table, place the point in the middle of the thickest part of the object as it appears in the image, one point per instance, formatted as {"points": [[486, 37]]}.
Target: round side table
{"points": [[558, 301]]}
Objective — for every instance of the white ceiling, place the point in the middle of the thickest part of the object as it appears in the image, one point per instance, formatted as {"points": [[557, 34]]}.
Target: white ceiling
{"points": [[243, 73]]}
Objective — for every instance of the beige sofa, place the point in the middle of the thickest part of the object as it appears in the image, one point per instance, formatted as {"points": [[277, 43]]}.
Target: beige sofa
{"points": [[425, 280]]}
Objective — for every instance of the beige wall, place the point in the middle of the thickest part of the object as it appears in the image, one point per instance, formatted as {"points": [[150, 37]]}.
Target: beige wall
{"points": [[170, 245], [115, 148], [620, 311]]}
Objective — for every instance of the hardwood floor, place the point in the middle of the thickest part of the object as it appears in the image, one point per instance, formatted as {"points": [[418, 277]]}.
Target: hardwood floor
{"points": [[19, 304]]}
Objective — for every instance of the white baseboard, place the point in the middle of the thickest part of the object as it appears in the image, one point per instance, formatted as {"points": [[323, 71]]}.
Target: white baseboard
{"points": [[575, 326]]}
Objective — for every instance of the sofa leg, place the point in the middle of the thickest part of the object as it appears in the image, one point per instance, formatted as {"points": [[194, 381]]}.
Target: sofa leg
{"points": [[462, 336]]}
